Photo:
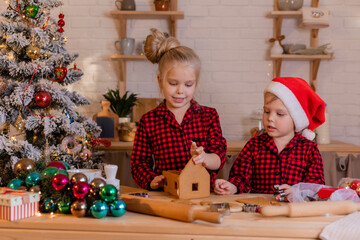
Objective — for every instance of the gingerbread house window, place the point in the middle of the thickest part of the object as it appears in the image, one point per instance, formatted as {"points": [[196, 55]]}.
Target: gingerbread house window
{"points": [[195, 186]]}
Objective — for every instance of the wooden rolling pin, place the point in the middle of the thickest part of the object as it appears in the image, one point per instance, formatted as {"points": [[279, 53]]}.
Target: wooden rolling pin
{"points": [[308, 209], [177, 211]]}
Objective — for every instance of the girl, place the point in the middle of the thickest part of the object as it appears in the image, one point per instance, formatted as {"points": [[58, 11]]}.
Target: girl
{"points": [[281, 156], [179, 128]]}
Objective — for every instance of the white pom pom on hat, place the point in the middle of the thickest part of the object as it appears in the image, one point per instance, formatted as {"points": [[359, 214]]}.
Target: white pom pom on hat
{"points": [[306, 108]]}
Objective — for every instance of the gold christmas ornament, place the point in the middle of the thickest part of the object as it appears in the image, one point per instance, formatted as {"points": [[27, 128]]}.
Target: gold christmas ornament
{"points": [[78, 208], [78, 177], [35, 189], [23, 166], [33, 52], [54, 156], [19, 124]]}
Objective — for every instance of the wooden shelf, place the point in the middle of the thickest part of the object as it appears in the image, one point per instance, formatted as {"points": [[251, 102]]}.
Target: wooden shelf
{"points": [[146, 14], [301, 57], [127, 57], [122, 16], [285, 14], [314, 60]]}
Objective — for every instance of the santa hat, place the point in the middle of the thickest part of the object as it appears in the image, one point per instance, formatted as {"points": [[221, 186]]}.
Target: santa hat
{"points": [[306, 108]]}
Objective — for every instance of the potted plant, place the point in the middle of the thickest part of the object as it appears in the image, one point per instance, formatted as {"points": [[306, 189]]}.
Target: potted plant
{"points": [[122, 106]]}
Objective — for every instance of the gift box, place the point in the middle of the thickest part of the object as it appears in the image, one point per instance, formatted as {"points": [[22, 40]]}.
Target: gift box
{"points": [[16, 205]]}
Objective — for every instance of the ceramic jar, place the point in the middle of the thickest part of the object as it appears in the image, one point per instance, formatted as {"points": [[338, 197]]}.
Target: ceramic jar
{"points": [[162, 5], [290, 5], [127, 131], [276, 49]]}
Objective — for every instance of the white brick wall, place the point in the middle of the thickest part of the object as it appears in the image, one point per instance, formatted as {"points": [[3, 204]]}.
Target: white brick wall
{"points": [[231, 37]]}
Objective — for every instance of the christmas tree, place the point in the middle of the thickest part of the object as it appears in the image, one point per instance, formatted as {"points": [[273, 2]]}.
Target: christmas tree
{"points": [[38, 120]]}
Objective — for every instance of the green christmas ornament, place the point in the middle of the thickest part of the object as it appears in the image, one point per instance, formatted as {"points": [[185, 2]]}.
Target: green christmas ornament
{"points": [[99, 209], [67, 166], [48, 205], [108, 193], [49, 172], [31, 10], [32, 179], [117, 208], [15, 183], [64, 207], [61, 171]]}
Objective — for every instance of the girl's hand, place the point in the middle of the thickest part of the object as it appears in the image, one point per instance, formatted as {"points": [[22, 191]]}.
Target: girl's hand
{"points": [[157, 182], [287, 190], [198, 154], [223, 187]]}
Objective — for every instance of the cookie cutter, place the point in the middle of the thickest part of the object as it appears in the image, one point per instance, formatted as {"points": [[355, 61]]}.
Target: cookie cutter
{"points": [[278, 191], [141, 194], [223, 208], [252, 208]]}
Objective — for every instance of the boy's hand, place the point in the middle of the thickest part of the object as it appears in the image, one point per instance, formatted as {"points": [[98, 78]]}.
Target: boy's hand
{"points": [[198, 154], [157, 182], [287, 190], [223, 187]]}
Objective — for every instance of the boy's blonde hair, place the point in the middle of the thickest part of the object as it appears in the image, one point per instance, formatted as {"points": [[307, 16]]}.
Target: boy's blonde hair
{"points": [[167, 52], [273, 97]]}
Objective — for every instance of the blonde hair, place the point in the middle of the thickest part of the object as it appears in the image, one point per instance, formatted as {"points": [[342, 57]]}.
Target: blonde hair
{"points": [[273, 97], [167, 52]]}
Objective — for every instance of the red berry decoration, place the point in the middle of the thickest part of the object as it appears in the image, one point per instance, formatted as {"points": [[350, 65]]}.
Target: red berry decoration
{"points": [[61, 23], [57, 164], [59, 181], [81, 189], [60, 73], [75, 68], [42, 99]]}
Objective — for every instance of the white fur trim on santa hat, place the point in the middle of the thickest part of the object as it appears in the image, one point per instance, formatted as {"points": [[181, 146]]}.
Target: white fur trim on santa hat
{"points": [[292, 104], [308, 134]]}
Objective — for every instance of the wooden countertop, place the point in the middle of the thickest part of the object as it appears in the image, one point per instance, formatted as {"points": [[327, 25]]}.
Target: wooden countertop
{"points": [[139, 226], [236, 146]]}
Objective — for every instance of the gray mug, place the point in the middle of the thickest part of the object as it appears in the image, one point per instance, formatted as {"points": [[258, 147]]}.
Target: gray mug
{"points": [[126, 5], [125, 45]]}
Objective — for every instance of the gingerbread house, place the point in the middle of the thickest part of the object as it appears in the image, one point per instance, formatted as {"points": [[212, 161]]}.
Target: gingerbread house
{"points": [[192, 182]]}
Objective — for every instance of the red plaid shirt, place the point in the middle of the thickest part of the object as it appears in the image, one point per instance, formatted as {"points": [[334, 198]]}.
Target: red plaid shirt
{"points": [[160, 137], [259, 166]]}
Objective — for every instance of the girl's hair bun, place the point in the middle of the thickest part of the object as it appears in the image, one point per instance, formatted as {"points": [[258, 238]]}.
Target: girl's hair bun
{"points": [[157, 43]]}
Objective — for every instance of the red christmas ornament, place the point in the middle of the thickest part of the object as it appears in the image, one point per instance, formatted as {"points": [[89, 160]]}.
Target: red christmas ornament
{"points": [[81, 189], [59, 181], [42, 99], [60, 73], [355, 184], [57, 164], [61, 23]]}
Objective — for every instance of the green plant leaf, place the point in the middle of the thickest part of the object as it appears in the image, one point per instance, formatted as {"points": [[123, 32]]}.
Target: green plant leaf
{"points": [[122, 106]]}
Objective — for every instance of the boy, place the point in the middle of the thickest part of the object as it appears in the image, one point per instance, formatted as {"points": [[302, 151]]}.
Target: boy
{"points": [[281, 156]]}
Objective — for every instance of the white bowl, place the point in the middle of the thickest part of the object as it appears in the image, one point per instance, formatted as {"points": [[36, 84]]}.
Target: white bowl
{"points": [[89, 173]]}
